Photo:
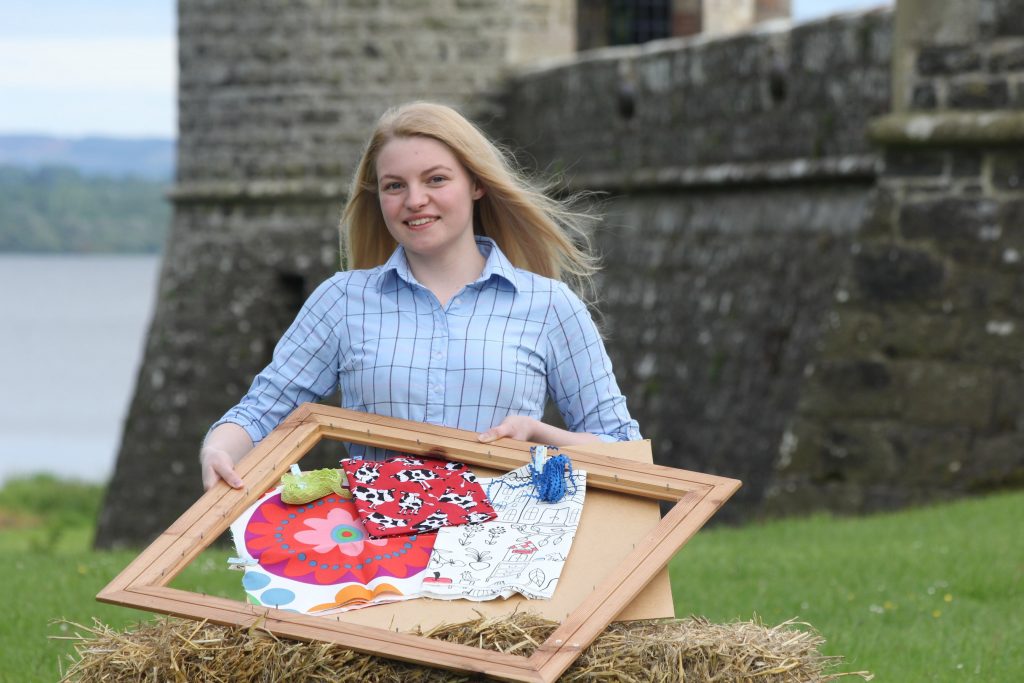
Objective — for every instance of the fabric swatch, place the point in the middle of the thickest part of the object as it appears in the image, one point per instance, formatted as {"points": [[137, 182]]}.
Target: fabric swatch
{"points": [[303, 487], [522, 551], [407, 495], [318, 558]]}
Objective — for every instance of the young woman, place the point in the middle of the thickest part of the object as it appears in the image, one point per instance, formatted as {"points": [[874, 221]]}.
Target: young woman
{"points": [[453, 309]]}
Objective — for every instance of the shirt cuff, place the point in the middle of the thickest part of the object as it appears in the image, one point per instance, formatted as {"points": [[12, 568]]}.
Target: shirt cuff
{"points": [[631, 432], [251, 428]]}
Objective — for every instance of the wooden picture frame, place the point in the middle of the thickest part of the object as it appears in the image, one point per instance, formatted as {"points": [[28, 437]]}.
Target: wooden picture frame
{"points": [[144, 583]]}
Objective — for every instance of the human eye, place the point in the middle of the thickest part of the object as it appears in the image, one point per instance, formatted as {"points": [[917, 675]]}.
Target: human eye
{"points": [[437, 179], [391, 186]]}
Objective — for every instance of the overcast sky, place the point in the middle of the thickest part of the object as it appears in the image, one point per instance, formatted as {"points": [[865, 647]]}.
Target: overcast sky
{"points": [[108, 67]]}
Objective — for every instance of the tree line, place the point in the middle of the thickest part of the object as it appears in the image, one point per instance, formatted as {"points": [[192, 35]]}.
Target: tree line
{"points": [[58, 209]]}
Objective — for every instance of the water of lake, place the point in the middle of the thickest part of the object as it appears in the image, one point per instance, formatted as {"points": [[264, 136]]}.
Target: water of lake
{"points": [[72, 328]]}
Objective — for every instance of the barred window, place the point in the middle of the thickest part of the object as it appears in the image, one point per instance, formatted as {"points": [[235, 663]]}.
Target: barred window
{"points": [[625, 22], [637, 21]]}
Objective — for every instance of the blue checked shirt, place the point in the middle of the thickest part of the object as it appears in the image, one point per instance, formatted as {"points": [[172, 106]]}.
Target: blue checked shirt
{"points": [[500, 347]]}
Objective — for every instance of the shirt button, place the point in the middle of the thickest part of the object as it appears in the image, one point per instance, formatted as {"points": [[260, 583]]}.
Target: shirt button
{"points": [[438, 355]]}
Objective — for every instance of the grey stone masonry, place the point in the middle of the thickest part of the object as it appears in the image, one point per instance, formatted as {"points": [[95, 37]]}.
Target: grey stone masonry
{"points": [[915, 393], [737, 173], [777, 95], [984, 73], [282, 91], [712, 302]]}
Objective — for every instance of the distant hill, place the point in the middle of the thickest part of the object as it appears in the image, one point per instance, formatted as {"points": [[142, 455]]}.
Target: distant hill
{"points": [[60, 209], [150, 158]]}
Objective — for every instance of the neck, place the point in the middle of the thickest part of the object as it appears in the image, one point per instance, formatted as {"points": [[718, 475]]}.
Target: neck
{"points": [[447, 273]]}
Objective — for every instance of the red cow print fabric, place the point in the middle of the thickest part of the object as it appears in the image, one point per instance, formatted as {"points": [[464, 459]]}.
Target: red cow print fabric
{"points": [[409, 495]]}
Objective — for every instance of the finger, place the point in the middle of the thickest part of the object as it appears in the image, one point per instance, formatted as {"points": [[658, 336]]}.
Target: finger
{"points": [[496, 432], [228, 474]]}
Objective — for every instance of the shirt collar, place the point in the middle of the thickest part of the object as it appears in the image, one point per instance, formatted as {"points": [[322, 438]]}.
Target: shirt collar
{"points": [[496, 264]]}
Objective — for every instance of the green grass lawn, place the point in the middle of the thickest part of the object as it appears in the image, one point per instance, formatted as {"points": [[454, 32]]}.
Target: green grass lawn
{"points": [[934, 594]]}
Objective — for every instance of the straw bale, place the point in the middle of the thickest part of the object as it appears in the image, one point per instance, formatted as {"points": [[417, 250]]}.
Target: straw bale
{"points": [[660, 651]]}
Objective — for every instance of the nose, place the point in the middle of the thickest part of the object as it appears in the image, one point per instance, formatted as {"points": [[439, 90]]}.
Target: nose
{"points": [[416, 197]]}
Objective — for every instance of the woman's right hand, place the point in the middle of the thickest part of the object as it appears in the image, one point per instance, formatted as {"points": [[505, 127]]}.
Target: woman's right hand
{"points": [[225, 445], [217, 464]]}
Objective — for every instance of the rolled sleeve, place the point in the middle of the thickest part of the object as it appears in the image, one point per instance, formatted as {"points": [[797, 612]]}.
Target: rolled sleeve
{"points": [[580, 377]]}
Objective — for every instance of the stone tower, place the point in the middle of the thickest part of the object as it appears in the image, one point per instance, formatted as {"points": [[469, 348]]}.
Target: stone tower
{"points": [[275, 100]]}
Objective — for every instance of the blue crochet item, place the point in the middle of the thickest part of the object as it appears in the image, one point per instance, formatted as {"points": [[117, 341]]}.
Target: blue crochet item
{"points": [[547, 476], [550, 481]]}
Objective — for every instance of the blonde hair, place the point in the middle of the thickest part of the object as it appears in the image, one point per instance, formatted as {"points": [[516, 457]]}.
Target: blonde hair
{"points": [[537, 233]]}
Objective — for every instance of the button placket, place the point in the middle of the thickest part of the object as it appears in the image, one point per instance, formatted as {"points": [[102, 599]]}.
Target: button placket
{"points": [[437, 366]]}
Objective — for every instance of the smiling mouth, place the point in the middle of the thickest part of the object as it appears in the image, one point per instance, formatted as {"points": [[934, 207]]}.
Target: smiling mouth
{"points": [[419, 222]]}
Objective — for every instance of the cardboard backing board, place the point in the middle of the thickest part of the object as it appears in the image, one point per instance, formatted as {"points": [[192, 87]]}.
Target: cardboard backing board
{"points": [[143, 584]]}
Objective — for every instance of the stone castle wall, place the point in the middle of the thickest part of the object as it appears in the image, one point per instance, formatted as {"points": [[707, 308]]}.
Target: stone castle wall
{"points": [[737, 174], [917, 390]]}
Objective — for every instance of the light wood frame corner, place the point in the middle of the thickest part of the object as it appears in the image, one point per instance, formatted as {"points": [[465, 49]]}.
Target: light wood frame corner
{"points": [[144, 583]]}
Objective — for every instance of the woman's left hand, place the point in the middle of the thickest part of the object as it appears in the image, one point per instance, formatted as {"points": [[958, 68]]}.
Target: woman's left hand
{"points": [[524, 428], [520, 427]]}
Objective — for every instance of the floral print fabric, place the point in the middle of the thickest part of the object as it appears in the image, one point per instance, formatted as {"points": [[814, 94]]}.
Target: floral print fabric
{"points": [[407, 495], [318, 557]]}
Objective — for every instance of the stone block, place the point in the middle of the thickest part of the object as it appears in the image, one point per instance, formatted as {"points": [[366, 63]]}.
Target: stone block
{"points": [[1007, 171], [966, 228], [895, 272], [879, 220], [848, 388], [924, 97], [942, 393], [856, 451], [981, 289], [947, 218], [942, 60], [1009, 406], [914, 161], [927, 457], [1007, 58], [906, 332], [1010, 216], [965, 162], [800, 495], [978, 93], [995, 462], [871, 464], [799, 449], [854, 333], [993, 338], [1008, 19]]}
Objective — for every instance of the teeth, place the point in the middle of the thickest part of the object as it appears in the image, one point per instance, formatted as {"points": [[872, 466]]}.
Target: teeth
{"points": [[420, 221]]}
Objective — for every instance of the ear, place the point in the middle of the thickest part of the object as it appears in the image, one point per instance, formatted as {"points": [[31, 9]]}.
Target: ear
{"points": [[478, 190]]}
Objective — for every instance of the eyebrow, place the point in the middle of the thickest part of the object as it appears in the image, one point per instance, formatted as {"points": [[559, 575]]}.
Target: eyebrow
{"points": [[424, 172]]}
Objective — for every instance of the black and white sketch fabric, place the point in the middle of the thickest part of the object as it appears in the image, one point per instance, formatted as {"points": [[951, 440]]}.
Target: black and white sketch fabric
{"points": [[522, 551]]}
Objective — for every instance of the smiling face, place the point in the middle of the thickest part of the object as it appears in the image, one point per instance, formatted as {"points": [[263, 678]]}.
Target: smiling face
{"points": [[426, 198]]}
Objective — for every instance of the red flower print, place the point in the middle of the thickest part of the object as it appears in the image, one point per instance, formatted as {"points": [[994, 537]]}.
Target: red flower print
{"points": [[323, 542]]}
